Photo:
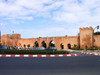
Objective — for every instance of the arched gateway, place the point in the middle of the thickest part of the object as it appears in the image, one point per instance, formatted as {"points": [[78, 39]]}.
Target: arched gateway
{"points": [[65, 42], [51, 41]]}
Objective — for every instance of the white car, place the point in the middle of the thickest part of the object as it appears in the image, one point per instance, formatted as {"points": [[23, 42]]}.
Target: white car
{"points": [[18, 48]]}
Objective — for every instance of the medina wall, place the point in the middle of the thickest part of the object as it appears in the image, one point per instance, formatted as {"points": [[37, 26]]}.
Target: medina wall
{"points": [[85, 39], [57, 40], [97, 40]]}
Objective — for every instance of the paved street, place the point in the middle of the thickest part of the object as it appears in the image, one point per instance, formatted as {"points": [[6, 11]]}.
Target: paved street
{"points": [[80, 65]]}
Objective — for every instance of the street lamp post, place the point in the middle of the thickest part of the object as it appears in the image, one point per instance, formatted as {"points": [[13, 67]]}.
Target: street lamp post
{"points": [[93, 35]]}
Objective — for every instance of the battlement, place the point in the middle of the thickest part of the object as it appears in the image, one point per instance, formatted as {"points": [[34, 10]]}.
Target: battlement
{"points": [[87, 28], [5, 36], [14, 36]]}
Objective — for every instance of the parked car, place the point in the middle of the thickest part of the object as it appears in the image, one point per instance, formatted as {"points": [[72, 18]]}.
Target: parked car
{"points": [[51, 48], [30, 48], [18, 48], [4, 47], [38, 48]]}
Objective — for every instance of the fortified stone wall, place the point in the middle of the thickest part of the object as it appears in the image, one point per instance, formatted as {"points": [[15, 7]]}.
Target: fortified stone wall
{"points": [[97, 40], [10, 40], [57, 40], [86, 37], [81, 41]]}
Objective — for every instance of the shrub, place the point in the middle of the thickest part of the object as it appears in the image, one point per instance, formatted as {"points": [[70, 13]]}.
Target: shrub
{"points": [[32, 52], [75, 45], [13, 48], [88, 48], [95, 48], [98, 48], [75, 48], [81, 49]]}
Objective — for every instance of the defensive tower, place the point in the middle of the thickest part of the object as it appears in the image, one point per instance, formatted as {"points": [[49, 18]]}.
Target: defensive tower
{"points": [[10, 40], [86, 37]]}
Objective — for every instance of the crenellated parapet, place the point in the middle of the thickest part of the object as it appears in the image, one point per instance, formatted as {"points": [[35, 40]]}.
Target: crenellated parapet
{"points": [[10, 39], [87, 28], [13, 36]]}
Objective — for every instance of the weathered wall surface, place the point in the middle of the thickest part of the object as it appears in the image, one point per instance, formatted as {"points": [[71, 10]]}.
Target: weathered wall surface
{"points": [[57, 40], [97, 40], [10, 40], [86, 37]]}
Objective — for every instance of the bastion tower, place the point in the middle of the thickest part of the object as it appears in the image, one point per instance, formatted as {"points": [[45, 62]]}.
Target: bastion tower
{"points": [[86, 37], [10, 40]]}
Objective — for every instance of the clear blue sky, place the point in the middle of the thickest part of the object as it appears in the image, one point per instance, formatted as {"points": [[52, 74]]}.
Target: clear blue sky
{"points": [[42, 18]]}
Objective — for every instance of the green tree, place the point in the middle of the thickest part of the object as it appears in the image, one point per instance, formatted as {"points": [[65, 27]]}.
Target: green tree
{"points": [[52, 45], [28, 45], [37, 45], [40, 37], [97, 33], [78, 34], [44, 45]]}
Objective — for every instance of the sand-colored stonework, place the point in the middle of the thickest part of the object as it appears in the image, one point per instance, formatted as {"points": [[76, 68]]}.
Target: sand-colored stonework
{"points": [[85, 38]]}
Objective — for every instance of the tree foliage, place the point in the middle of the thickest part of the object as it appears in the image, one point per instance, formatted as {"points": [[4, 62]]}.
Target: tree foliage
{"points": [[44, 45], [97, 33], [37, 45], [78, 34], [52, 45], [28, 45]]}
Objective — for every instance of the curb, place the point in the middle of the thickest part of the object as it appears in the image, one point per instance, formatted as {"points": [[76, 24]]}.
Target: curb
{"points": [[16, 55], [71, 51], [89, 53]]}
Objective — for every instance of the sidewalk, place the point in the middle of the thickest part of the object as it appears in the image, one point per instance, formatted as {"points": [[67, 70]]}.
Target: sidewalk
{"points": [[72, 50], [97, 52]]}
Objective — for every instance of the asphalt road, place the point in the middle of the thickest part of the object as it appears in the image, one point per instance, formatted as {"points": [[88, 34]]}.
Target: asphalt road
{"points": [[79, 65]]}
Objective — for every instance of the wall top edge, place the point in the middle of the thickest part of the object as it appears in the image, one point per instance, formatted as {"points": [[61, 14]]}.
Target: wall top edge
{"points": [[86, 28]]}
